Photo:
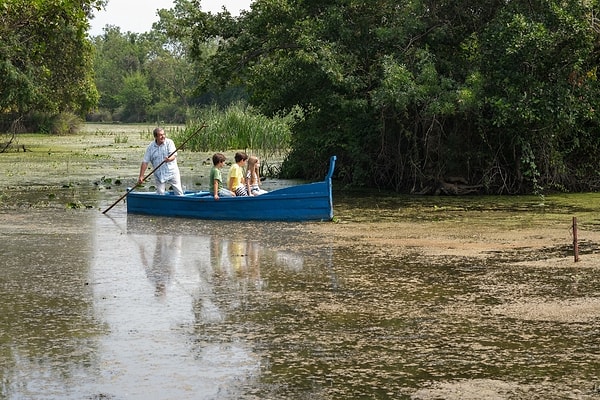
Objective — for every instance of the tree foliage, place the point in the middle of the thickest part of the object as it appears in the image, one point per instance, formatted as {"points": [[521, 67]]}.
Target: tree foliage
{"points": [[407, 94], [142, 77], [46, 57]]}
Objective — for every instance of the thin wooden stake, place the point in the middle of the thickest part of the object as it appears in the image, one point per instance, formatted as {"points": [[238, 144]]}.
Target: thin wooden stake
{"points": [[575, 244]]}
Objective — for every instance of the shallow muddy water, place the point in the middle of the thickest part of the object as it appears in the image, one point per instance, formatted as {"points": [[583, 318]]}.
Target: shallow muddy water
{"points": [[401, 298], [134, 307]]}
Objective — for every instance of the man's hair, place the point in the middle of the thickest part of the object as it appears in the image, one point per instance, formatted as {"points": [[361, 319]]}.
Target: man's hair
{"points": [[157, 131]]}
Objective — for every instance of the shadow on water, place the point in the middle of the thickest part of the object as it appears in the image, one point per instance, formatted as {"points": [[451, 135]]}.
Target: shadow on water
{"points": [[137, 307]]}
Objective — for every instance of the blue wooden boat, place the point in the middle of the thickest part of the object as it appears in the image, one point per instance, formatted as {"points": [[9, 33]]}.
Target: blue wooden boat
{"points": [[308, 202]]}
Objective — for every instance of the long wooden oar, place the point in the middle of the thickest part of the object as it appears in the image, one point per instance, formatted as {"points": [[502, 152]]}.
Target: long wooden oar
{"points": [[154, 169]]}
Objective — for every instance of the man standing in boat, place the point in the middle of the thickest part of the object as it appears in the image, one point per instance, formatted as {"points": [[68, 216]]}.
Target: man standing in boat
{"points": [[157, 152]]}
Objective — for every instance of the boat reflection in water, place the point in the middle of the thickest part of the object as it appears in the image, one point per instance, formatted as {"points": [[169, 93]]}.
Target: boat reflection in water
{"points": [[165, 292], [171, 293]]}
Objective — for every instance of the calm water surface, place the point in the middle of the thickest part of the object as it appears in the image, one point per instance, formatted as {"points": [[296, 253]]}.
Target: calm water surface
{"points": [[113, 306]]}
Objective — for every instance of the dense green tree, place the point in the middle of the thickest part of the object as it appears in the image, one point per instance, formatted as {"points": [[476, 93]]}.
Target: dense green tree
{"points": [[147, 62], [135, 96], [538, 63], [117, 56], [46, 57], [207, 87], [500, 94], [171, 78]]}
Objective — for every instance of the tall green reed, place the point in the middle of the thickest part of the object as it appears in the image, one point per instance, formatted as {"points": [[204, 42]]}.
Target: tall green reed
{"points": [[240, 127]]}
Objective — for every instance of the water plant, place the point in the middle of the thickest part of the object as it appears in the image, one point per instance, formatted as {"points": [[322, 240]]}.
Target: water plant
{"points": [[121, 138], [240, 127]]}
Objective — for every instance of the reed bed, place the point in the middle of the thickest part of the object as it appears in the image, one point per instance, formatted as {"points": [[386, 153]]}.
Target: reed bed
{"points": [[240, 127]]}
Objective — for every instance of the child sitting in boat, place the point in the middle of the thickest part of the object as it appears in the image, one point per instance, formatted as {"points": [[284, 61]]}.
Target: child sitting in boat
{"points": [[253, 177], [215, 186], [237, 183]]}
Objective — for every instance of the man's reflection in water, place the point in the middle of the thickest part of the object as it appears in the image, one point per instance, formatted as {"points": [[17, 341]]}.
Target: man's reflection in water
{"points": [[167, 252]]}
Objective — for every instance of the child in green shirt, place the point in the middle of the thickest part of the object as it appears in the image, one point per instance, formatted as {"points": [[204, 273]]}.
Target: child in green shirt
{"points": [[216, 178]]}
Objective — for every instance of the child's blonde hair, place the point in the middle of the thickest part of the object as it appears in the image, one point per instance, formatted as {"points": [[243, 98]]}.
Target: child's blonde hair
{"points": [[252, 163]]}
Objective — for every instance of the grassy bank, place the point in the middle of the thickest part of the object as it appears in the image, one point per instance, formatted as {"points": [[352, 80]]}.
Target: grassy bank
{"points": [[100, 153]]}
